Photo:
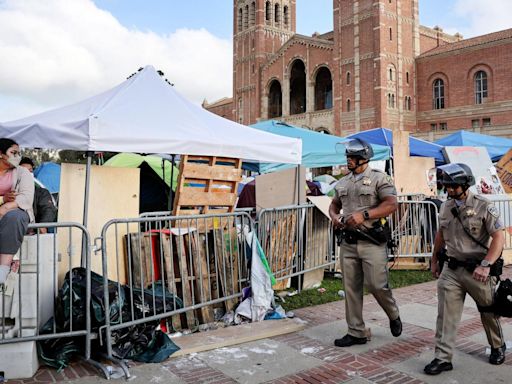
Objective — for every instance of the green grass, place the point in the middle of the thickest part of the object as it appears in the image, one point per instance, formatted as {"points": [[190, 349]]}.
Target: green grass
{"points": [[332, 285]]}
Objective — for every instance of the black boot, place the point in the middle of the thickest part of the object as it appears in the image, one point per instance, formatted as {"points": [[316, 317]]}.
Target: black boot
{"points": [[348, 340], [396, 326], [497, 355], [437, 366]]}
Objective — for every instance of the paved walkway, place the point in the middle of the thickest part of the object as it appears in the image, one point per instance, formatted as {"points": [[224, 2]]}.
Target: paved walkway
{"points": [[310, 357]]}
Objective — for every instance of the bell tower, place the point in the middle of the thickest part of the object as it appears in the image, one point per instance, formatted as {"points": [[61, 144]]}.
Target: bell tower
{"points": [[260, 28]]}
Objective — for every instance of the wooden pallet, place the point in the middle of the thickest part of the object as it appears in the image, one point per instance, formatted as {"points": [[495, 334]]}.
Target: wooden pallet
{"points": [[207, 184]]}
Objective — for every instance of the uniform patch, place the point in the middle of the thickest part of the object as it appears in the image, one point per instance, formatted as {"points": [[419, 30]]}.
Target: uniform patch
{"points": [[367, 181], [470, 212], [389, 179], [493, 211]]}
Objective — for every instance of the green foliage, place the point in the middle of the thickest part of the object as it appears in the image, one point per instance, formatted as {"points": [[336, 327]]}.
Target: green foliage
{"points": [[332, 285]]}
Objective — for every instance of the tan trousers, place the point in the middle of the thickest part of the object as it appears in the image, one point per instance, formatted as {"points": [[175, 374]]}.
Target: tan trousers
{"points": [[452, 287], [365, 263]]}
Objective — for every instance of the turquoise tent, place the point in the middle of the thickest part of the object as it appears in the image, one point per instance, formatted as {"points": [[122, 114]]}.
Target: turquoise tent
{"points": [[318, 149]]}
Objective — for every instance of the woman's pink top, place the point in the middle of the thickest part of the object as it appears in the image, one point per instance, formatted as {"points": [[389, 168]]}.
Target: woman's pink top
{"points": [[5, 183]]}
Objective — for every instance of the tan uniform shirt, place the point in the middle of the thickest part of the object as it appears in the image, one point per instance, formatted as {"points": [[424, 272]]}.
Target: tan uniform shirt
{"points": [[479, 216], [363, 191]]}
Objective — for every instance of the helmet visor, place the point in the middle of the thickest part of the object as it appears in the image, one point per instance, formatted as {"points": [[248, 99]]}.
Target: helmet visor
{"points": [[354, 148], [453, 174]]}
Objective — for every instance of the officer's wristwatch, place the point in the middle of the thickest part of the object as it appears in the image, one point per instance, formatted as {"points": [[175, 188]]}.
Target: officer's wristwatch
{"points": [[366, 214], [485, 263]]}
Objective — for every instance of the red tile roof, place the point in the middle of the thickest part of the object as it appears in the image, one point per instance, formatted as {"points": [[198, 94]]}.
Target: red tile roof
{"points": [[467, 43]]}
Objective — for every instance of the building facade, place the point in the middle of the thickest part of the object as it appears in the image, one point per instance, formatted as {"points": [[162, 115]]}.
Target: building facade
{"points": [[377, 68]]}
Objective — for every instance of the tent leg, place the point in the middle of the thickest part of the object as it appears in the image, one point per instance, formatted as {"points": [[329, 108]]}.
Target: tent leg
{"points": [[171, 192], [86, 205]]}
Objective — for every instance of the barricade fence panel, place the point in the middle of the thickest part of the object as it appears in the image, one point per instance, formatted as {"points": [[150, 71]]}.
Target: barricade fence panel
{"points": [[296, 240], [413, 228], [188, 270], [30, 306]]}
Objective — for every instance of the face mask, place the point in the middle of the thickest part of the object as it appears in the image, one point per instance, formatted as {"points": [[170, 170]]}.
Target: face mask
{"points": [[14, 160]]}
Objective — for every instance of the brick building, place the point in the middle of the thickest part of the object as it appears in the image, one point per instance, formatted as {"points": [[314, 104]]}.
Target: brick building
{"points": [[378, 68]]}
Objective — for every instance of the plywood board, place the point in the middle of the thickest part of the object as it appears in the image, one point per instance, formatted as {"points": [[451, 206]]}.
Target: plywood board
{"points": [[316, 248], [504, 168], [411, 173], [322, 203], [240, 334], [114, 193], [280, 188]]}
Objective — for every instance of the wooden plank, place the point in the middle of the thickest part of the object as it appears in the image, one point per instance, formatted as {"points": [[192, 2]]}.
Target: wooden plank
{"points": [[181, 255], [283, 248], [409, 263], [316, 248], [244, 333], [200, 283], [140, 254], [217, 172], [194, 197], [226, 246], [171, 275]]}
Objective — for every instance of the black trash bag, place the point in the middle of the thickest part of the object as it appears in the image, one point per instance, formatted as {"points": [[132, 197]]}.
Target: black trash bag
{"points": [[159, 349], [58, 352], [150, 303], [503, 299]]}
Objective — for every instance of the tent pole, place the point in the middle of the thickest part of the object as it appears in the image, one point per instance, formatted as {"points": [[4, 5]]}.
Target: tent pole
{"points": [[171, 193], [86, 203]]}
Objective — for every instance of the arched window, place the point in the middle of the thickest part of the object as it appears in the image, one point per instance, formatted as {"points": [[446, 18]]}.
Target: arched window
{"points": [[246, 17], [240, 16], [286, 16], [253, 13], [407, 103], [348, 105], [390, 76], [348, 78], [389, 100], [323, 89], [438, 94], [275, 100], [298, 88], [390, 34], [277, 14], [240, 110], [393, 100], [480, 87], [407, 77], [268, 11]]}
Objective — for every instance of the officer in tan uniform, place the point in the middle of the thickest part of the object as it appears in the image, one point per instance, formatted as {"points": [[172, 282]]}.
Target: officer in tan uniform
{"points": [[366, 196], [473, 234]]}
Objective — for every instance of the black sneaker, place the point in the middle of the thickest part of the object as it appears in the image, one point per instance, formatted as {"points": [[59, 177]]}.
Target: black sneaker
{"points": [[497, 355], [348, 340], [437, 366], [396, 326]]}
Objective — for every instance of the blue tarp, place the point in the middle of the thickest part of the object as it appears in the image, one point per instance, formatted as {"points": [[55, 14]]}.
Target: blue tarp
{"points": [[417, 147], [318, 149], [496, 146], [49, 174]]}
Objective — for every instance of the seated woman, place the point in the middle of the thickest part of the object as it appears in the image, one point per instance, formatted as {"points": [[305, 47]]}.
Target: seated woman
{"points": [[16, 198]]}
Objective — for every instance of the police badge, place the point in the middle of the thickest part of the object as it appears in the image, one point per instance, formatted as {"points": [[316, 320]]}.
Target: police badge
{"points": [[367, 181]]}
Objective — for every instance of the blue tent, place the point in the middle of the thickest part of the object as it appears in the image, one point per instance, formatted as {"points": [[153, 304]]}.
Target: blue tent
{"points": [[318, 149], [496, 146], [49, 174], [417, 147]]}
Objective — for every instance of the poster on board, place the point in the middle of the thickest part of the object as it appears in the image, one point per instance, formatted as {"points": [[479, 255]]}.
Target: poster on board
{"points": [[487, 182]]}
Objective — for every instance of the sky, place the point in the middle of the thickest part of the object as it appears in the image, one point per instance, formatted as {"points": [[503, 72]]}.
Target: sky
{"points": [[56, 52]]}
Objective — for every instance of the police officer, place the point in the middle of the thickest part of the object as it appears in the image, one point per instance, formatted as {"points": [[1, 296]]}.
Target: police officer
{"points": [[467, 224], [366, 195]]}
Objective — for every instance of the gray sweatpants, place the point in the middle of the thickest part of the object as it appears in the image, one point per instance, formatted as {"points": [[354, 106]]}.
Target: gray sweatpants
{"points": [[13, 227]]}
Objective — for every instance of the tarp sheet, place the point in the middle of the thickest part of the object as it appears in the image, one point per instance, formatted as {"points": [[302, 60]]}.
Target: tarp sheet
{"points": [[48, 174], [417, 147], [146, 114], [496, 146], [318, 149]]}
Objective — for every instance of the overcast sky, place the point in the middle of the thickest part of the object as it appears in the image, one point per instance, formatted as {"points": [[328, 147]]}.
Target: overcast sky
{"points": [[55, 52]]}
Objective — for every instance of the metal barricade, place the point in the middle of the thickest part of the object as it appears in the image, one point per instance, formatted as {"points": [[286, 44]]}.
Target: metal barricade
{"points": [[504, 207], [175, 268], [413, 228], [29, 296], [296, 240]]}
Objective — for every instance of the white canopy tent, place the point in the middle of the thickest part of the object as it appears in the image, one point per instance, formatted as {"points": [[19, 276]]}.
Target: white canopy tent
{"points": [[146, 114]]}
